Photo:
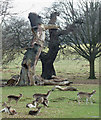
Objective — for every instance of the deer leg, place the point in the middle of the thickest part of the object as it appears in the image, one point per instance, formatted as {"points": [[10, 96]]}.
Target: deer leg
{"points": [[78, 100], [91, 101], [9, 100], [3, 110], [37, 105], [86, 100], [16, 102]]}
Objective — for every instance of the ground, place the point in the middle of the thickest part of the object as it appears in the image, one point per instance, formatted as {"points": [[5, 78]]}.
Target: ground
{"points": [[62, 104]]}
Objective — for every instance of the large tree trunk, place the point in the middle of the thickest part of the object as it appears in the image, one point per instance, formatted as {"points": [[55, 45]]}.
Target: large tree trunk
{"points": [[28, 66], [92, 69], [48, 59], [33, 52], [47, 69], [47, 63]]}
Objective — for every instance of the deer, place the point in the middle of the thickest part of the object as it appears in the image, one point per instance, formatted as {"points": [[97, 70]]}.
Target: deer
{"points": [[86, 95], [42, 95], [13, 97], [8, 109], [65, 88], [39, 100], [34, 112], [31, 105]]}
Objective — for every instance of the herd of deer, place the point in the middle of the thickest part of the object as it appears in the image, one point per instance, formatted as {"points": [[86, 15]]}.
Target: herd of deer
{"points": [[41, 99]]}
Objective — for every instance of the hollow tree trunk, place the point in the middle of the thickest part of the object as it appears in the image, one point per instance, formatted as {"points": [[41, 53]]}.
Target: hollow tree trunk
{"points": [[92, 69], [47, 69], [47, 64]]}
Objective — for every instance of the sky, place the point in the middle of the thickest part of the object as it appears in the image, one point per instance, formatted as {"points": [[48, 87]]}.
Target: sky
{"points": [[23, 7]]}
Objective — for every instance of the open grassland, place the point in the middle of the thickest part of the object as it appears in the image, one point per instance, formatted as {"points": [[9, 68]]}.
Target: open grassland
{"points": [[62, 104], [75, 69]]}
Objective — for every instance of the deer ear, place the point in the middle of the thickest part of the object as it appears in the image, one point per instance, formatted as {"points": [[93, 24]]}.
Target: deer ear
{"points": [[9, 107]]}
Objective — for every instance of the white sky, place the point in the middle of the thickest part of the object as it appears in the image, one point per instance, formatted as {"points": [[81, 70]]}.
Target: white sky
{"points": [[23, 7]]}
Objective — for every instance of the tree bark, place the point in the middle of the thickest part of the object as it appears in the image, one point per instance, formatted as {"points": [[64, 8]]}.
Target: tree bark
{"points": [[47, 66], [33, 52], [48, 59], [28, 63], [92, 69]]}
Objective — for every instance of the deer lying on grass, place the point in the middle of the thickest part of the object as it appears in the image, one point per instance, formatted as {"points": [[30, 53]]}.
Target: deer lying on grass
{"points": [[33, 112], [65, 88], [13, 97], [8, 110], [42, 95], [86, 95], [31, 105]]}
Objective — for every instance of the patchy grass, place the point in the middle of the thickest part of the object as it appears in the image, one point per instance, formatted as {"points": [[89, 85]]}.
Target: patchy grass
{"points": [[72, 68], [62, 104]]}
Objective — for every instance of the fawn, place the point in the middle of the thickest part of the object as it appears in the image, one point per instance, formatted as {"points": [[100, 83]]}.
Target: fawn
{"points": [[42, 95], [13, 97], [8, 109], [85, 95], [33, 112]]}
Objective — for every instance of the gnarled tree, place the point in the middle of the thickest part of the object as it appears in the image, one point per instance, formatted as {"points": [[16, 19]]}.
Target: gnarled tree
{"points": [[82, 31]]}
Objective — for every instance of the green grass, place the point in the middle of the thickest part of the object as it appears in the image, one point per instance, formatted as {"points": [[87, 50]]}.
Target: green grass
{"points": [[62, 104], [64, 68]]}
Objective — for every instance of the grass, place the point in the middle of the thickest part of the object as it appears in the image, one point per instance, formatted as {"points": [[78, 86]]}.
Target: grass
{"points": [[64, 68], [61, 104]]}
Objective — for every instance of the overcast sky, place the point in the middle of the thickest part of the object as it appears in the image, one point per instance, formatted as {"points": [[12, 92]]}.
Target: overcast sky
{"points": [[23, 7]]}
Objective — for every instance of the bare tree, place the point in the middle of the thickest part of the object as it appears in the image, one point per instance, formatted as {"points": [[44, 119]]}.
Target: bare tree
{"points": [[5, 7], [86, 38], [77, 30], [80, 29], [16, 35]]}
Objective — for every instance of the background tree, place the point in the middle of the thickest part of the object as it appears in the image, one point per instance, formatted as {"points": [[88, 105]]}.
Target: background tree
{"points": [[5, 9], [55, 41], [86, 38], [81, 29], [73, 32], [16, 35]]}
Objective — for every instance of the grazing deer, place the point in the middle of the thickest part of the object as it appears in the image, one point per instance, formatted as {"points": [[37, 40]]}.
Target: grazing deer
{"points": [[41, 100], [8, 110], [85, 95], [33, 112], [42, 95], [13, 97]]}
